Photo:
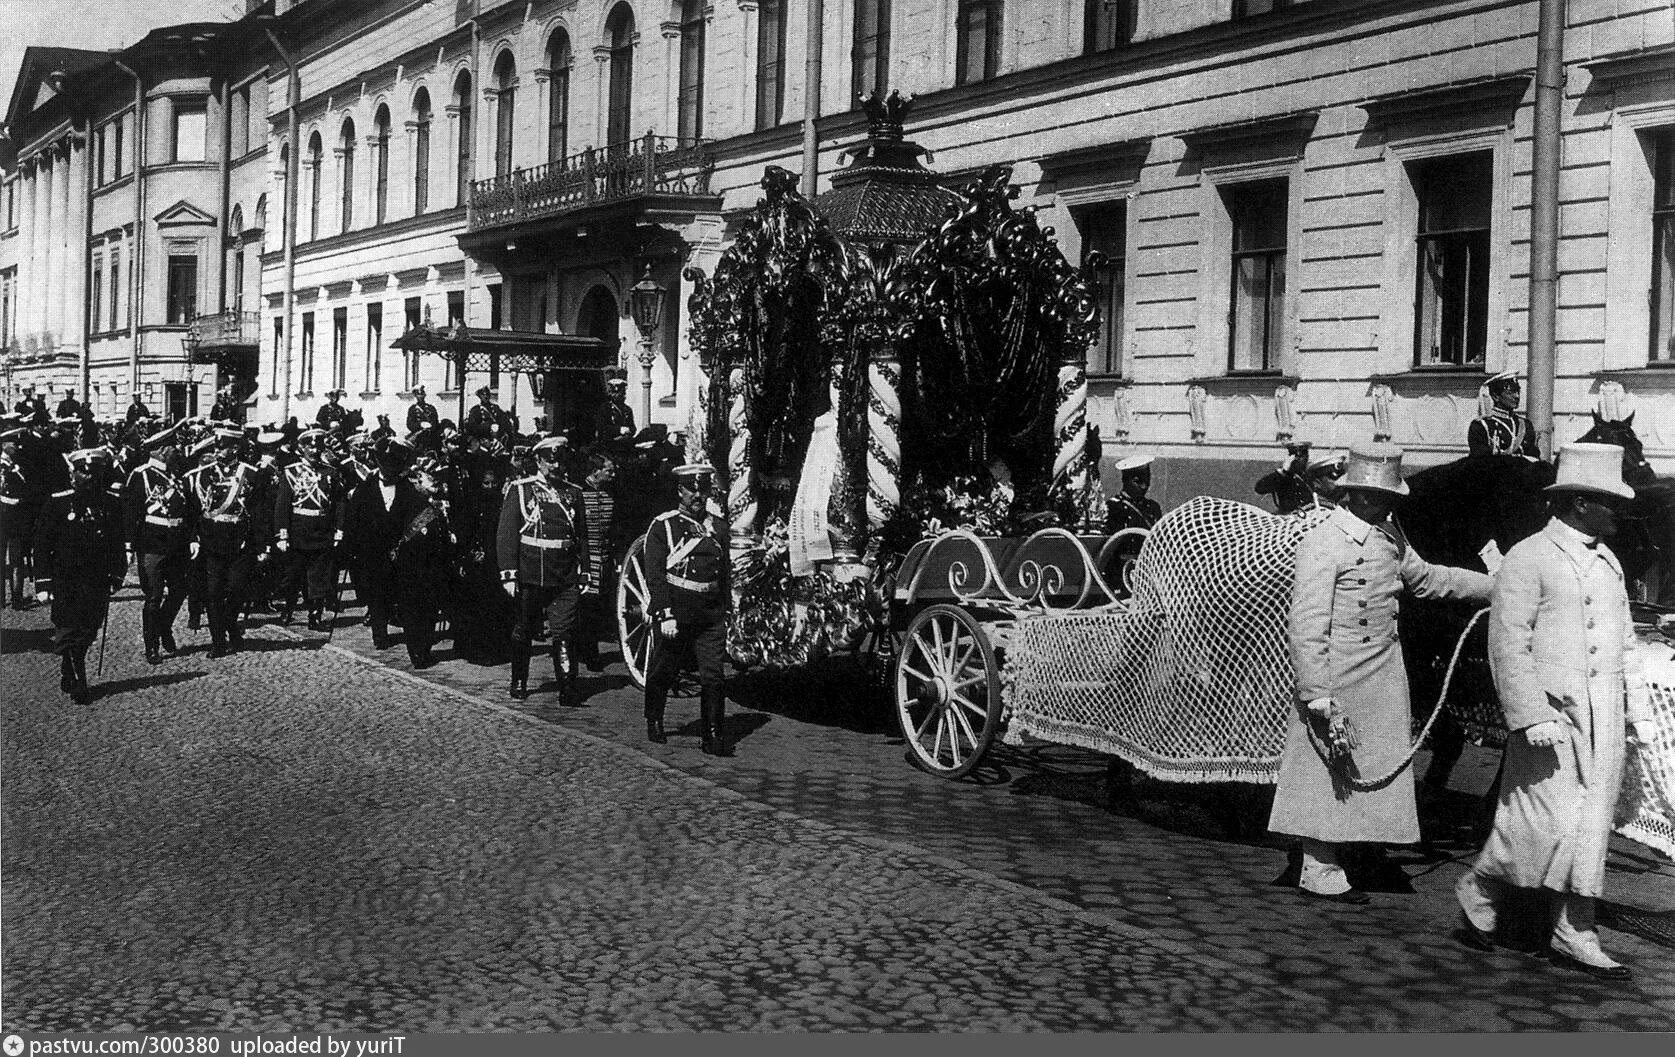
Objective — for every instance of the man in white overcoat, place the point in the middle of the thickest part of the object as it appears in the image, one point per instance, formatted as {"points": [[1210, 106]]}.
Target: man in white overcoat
{"points": [[1561, 645], [1352, 719]]}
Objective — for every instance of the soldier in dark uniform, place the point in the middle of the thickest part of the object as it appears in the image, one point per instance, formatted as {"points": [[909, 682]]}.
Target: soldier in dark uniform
{"points": [[541, 545], [16, 519], [423, 563], [198, 456], [379, 509], [617, 419], [225, 408], [226, 495], [308, 512], [69, 407], [80, 561], [1501, 430], [686, 564], [331, 414], [421, 414], [1132, 508], [162, 527], [487, 419]]}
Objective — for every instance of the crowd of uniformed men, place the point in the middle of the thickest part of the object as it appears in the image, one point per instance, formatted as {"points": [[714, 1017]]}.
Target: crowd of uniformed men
{"points": [[505, 538]]}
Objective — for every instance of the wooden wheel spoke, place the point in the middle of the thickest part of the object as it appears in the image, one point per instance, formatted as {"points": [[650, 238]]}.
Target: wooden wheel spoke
{"points": [[961, 684], [941, 725], [954, 738], [971, 706], [917, 674], [919, 731], [964, 725], [637, 591]]}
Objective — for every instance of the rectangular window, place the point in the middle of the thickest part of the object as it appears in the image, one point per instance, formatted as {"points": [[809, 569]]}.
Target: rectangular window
{"points": [[278, 353], [869, 54], [100, 176], [11, 205], [978, 41], [770, 63], [409, 359], [1663, 245], [307, 371], [1108, 24], [96, 291], [5, 310], [191, 129], [421, 168], [497, 319], [689, 104], [456, 317], [1104, 252], [116, 289], [374, 347], [116, 148], [1250, 8], [340, 348], [1451, 310], [1256, 312], [183, 288]]}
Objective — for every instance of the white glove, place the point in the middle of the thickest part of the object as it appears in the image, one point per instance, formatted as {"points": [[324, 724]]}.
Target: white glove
{"points": [[510, 587], [1644, 732], [667, 627], [192, 549], [1547, 735], [1320, 706], [282, 545], [42, 596]]}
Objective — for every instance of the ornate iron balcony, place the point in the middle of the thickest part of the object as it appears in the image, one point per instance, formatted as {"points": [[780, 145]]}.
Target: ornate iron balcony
{"points": [[648, 166], [223, 329]]}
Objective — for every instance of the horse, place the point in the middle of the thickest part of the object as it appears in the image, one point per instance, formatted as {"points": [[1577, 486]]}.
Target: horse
{"points": [[1645, 540]]}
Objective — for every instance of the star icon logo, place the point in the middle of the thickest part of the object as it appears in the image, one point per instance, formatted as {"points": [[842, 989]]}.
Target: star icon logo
{"points": [[13, 1045]]}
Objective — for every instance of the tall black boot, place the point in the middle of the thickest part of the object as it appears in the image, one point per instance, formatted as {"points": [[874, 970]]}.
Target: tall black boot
{"points": [[217, 630], [520, 672], [656, 699], [148, 626], [564, 672], [78, 659], [317, 616], [713, 705], [66, 673]]}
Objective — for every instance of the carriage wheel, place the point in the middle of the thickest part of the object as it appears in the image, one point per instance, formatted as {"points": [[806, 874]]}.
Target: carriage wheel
{"points": [[947, 691], [633, 622]]}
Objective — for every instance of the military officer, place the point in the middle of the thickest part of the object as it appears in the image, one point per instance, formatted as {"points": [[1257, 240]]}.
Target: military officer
{"points": [[226, 495], [421, 414], [487, 419], [331, 414], [17, 514], [308, 514], [1501, 430], [1132, 508], [541, 544], [686, 563], [618, 418], [80, 561], [161, 527]]}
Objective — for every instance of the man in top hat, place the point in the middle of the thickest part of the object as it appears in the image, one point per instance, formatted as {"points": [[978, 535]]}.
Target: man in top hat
{"points": [[380, 507], [487, 418], [1568, 675], [229, 513], [162, 528], [617, 420], [1500, 429], [80, 561], [331, 414], [686, 566], [421, 413], [308, 514], [541, 544], [1132, 507], [1352, 717]]}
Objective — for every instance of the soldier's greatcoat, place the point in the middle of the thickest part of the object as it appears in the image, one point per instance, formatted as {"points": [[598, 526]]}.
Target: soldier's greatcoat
{"points": [[78, 551], [1559, 627], [1344, 645]]}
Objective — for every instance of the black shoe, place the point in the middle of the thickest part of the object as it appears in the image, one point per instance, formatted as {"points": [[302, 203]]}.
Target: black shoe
{"points": [[169, 646], [380, 638], [1352, 896], [420, 659], [217, 650], [655, 732], [519, 689], [194, 622], [285, 617], [80, 692], [152, 656], [1598, 972], [1469, 935], [66, 674]]}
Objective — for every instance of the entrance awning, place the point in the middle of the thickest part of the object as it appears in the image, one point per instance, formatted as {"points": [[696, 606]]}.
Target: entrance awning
{"points": [[482, 349]]}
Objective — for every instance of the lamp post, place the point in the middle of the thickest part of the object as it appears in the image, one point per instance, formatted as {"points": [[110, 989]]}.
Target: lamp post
{"points": [[645, 301]]}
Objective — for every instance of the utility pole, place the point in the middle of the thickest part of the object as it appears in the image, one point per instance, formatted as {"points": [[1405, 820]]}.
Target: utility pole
{"points": [[811, 98], [1544, 219]]}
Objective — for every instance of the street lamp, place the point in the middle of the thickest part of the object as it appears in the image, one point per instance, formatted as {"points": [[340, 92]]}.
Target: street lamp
{"points": [[645, 302]]}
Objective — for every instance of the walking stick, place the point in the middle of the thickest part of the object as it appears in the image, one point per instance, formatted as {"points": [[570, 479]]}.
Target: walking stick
{"points": [[337, 603], [104, 625]]}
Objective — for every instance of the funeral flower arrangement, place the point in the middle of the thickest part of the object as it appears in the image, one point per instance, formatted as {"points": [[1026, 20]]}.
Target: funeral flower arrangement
{"points": [[783, 620]]}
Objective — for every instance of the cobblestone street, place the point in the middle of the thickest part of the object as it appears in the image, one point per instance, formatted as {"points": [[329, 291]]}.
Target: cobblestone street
{"points": [[308, 836]]}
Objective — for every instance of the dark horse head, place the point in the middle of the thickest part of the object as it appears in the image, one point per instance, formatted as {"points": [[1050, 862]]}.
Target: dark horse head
{"points": [[1645, 539]]}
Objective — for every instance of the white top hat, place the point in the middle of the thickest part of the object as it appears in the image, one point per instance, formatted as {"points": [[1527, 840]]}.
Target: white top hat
{"points": [[1595, 469], [1376, 467]]}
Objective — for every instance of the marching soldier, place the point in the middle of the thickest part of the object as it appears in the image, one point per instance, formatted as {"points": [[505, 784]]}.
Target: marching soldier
{"points": [[225, 492], [80, 562], [422, 414], [542, 549], [686, 562], [1132, 508], [307, 524], [1501, 430], [423, 560], [161, 524]]}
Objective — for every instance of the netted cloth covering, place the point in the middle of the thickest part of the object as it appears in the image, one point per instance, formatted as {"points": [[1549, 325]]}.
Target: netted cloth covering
{"points": [[1646, 806], [1192, 680]]}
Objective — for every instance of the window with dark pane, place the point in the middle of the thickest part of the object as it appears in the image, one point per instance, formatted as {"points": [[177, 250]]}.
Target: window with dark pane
{"points": [[977, 53], [1451, 309], [690, 101], [183, 288], [1104, 230], [619, 33], [1663, 244], [770, 63], [869, 53], [1256, 306]]}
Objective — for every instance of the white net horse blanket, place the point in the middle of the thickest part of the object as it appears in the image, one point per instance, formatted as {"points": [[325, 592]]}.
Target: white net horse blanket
{"points": [[1191, 680]]}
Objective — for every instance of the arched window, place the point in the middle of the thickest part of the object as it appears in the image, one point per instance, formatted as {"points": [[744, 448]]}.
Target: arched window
{"points": [[770, 63], [978, 48], [381, 165], [235, 235], [462, 170], [316, 160], [421, 152], [691, 100], [558, 97], [505, 96], [346, 172], [869, 53], [619, 34]]}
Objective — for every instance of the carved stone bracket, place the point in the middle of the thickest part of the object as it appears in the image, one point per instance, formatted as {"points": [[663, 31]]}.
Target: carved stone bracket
{"points": [[1285, 413], [1610, 403], [1197, 400], [1384, 398]]}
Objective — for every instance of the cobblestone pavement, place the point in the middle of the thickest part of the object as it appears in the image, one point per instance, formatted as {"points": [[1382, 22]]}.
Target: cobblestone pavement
{"points": [[310, 837]]}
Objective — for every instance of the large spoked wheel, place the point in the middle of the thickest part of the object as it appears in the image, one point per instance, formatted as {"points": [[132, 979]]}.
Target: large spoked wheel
{"points": [[947, 690], [633, 617]]}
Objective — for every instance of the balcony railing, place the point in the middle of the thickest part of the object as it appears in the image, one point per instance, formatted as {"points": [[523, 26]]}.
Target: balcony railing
{"points": [[650, 165], [224, 329]]}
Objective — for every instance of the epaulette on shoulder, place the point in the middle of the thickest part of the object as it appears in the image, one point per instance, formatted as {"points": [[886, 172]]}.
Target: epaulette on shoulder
{"points": [[65, 494]]}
